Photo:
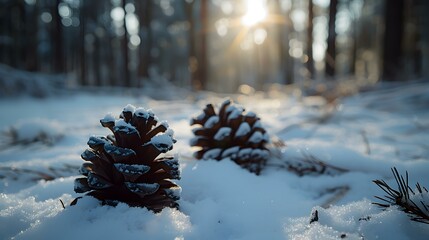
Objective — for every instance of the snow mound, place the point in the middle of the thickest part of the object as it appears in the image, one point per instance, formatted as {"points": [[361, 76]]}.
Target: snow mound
{"points": [[356, 220], [15, 82], [35, 130]]}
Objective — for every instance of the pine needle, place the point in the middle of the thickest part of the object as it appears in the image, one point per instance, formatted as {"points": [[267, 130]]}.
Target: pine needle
{"points": [[404, 197]]}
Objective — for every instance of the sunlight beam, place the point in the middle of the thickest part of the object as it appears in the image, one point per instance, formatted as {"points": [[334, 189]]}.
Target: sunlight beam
{"points": [[256, 12]]}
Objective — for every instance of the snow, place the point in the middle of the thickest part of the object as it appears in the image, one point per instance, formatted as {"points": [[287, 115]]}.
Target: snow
{"points": [[42, 130], [365, 135], [242, 130], [132, 169], [250, 114], [129, 108], [108, 118], [234, 112], [356, 220], [142, 188], [222, 133], [211, 122], [120, 123], [212, 153], [230, 152], [163, 142], [256, 137], [174, 192]]}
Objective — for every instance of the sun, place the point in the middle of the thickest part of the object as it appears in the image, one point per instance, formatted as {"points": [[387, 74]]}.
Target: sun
{"points": [[256, 12]]}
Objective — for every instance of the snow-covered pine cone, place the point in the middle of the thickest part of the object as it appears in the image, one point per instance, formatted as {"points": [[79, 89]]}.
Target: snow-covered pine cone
{"points": [[230, 133], [124, 166]]}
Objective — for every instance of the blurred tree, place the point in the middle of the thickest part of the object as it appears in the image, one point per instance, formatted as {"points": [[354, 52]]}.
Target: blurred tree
{"points": [[144, 11], [392, 47], [284, 29], [57, 39], [193, 59], [332, 37], [422, 7], [81, 46], [310, 62], [202, 59], [31, 28], [125, 51]]}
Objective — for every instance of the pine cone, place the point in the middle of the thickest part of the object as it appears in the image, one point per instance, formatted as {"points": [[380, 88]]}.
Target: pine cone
{"points": [[122, 167], [230, 134]]}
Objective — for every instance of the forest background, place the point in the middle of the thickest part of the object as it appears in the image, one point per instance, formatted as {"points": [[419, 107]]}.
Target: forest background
{"points": [[217, 45]]}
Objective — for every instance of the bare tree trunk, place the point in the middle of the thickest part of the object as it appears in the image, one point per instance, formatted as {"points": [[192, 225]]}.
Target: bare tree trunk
{"points": [[202, 63], [282, 42], [57, 39], [145, 9], [82, 44], [290, 61], [423, 6], [15, 32], [310, 61], [354, 47], [32, 33], [331, 51], [193, 59], [127, 81], [394, 28]]}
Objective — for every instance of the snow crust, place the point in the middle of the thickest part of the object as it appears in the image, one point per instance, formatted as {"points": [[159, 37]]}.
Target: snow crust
{"points": [[366, 134]]}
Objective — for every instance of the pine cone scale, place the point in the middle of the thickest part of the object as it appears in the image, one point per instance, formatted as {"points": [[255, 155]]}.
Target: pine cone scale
{"points": [[119, 154]]}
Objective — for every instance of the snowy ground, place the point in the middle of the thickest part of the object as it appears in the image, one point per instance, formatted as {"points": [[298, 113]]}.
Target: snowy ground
{"points": [[366, 135]]}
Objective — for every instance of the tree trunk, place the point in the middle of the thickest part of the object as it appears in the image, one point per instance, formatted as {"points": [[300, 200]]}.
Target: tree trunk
{"points": [[82, 44], [424, 41], [144, 9], [202, 63], [32, 33], [57, 39], [192, 60], [310, 61], [283, 45], [354, 47], [331, 51], [124, 43], [392, 52]]}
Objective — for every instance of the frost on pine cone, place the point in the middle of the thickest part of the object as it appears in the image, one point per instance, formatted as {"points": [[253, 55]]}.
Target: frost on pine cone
{"points": [[230, 133], [124, 166]]}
